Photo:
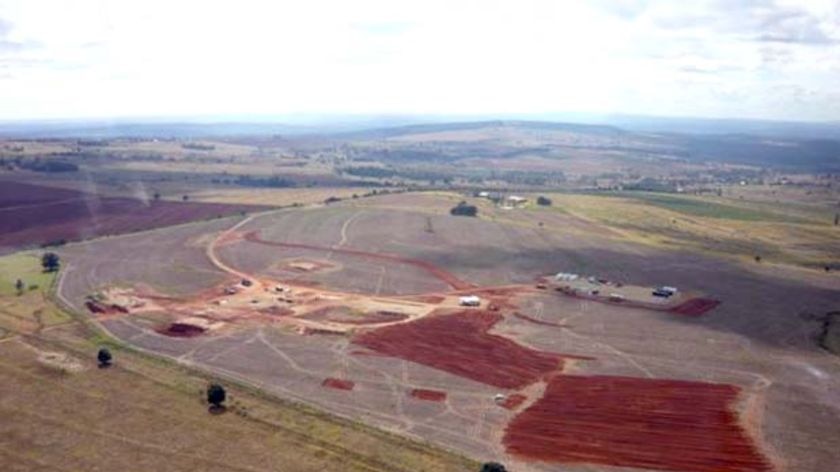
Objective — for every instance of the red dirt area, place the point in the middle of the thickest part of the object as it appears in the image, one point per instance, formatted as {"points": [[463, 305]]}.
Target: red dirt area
{"points": [[447, 277], [35, 215], [432, 299], [634, 422], [695, 307], [181, 330], [428, 395], [512, 401], [536, 321], [338, 384], [459, 344], [95, 306], [276, 311]]}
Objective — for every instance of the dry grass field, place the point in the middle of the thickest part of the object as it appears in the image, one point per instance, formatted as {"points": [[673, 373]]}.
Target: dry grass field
{"points": [[797, 234], [276, 196]]}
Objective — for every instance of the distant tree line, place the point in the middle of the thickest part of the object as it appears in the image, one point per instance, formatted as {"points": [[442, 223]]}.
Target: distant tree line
{"points": [[198, 146], [273, 182], [39, 165]]}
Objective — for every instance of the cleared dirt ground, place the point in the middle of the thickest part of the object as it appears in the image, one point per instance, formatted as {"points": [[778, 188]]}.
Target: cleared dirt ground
{"points": [[756, 342]]}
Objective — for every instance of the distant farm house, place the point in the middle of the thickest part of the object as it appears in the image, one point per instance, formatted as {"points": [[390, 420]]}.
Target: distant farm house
{"points": [[514, 201]]}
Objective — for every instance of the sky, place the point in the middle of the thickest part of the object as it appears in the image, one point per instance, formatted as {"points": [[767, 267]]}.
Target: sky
{"points": [[764, 59]]}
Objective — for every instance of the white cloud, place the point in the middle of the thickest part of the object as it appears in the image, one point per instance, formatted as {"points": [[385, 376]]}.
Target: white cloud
{"points": [[749, 58]]}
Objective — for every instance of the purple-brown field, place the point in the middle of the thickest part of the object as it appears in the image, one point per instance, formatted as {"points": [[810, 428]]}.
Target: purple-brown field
{"points": [[32, 215]]}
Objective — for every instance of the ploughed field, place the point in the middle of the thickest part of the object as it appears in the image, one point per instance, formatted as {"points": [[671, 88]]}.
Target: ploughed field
{"points": [[33, 215], [534, 378]]}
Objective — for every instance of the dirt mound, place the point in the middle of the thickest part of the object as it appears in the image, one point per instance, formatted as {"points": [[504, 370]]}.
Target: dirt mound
{"points": [[181, 330], [338, 384], [511, 402], [428, 395], [633, 422], [459, 344], [95, 306], [695, 306]]}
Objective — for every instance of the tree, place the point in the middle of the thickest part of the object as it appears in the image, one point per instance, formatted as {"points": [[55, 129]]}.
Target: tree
{"points": [[493, 467], [157, 196], [216, 395], [50, 262], [836, 219], [185, 197], [543, 201], [464, 209], [104, 357], [758, 258], [19, 286]]}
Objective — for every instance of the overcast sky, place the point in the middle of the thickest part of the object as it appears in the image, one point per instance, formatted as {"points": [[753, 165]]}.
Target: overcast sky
{"points": [[727, 58]]}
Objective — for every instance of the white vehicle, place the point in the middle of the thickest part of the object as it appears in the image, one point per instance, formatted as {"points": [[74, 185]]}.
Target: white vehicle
{"points": [[470, 300]]}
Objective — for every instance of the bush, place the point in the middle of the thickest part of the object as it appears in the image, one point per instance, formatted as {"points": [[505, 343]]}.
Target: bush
{"points": [[543, 201], [464, 209]]}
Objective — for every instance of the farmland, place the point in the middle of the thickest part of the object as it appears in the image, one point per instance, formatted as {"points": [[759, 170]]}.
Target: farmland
{"points": [[34, 215], [322, 277]]}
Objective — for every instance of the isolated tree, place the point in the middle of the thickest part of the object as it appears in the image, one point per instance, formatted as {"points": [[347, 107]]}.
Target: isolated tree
{"points": [[185, 197], [543, 201], [758, 258], [216, 395], [464, 209], [50, 262], [104, 357], [157, 196], [19, 286], [493, 467]]}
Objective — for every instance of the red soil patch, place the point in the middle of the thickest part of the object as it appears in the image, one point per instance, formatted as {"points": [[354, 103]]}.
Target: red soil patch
{"points": [[537, 321], [182, 330], [428, 395], [459, 344], [447, 277], [632, 422], [276, 311], [95, 306], [433, 299], [695, 307], [34, 215], [338, 384], [512, 401]]}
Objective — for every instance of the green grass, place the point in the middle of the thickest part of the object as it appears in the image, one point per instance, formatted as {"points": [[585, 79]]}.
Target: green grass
{"points": [[696, 207], [23, 266]]}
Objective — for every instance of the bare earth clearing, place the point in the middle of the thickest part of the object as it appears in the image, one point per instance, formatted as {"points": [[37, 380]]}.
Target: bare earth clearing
{"points": [[353, 308]]}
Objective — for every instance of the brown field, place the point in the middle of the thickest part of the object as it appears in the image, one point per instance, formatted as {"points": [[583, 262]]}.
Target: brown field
{"points": [[771, 389]]}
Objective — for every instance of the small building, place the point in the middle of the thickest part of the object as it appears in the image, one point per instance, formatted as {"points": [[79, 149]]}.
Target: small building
{"points": [[469, 300], [566, 276]]}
